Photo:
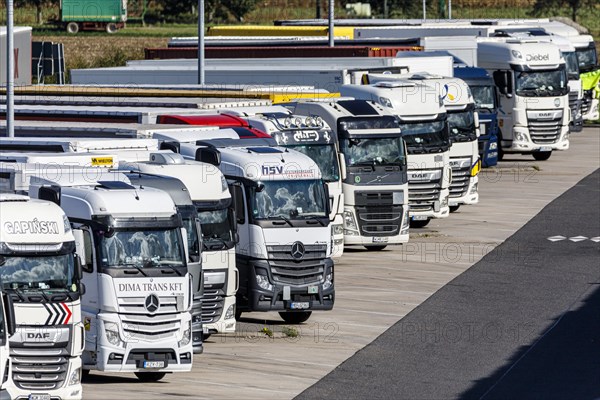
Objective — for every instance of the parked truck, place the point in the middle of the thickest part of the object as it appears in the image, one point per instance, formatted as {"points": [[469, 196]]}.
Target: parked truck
{"points": [[107, 15], [132, 247], [282, 214], [7, 329], [533, 84], [311, 136], [41, 275], [424, 125]]}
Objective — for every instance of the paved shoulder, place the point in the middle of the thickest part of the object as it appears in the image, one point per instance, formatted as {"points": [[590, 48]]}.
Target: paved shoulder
{"points": [[521, 323]]}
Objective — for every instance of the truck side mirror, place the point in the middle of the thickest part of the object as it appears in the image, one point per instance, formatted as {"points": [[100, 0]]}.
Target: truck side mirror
{"points": [[328, 200], [9, 310], [186, 248], [79, 246], [209, 156], [503, 82], [476, 121], [175, 147], [81, 289], [78, 269], [342, 162]]}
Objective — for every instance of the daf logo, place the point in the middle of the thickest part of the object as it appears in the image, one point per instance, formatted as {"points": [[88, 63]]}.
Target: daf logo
{"points": [[297, 251], [152, 303], [545, 115], [557, 102], [39, 336]]}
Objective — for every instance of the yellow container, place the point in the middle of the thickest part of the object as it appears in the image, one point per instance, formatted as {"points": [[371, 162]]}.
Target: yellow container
{"points": [[346, 32]]}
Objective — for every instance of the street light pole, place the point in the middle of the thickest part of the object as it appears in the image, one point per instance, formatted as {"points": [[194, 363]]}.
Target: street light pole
{"points": [[331, 16], [201, 42], [10, 70]]}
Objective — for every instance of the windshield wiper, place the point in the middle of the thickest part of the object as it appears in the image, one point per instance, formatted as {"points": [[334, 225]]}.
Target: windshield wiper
{"points": [[286, 219], [486, 109], [136, 267], [172, 267], [315, 218], [364, 164], [223, 243]]}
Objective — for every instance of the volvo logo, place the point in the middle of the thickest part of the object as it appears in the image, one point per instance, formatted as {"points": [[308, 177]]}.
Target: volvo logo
{"points": [[297, 251], [152, 303]]}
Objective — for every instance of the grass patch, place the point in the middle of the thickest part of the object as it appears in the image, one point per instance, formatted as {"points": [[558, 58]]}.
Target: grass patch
{"points": [[267, 332], [290, 332]]}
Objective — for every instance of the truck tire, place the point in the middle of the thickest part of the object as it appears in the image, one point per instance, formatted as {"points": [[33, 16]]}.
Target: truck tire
{"points": [[419, 224], [542, 155], [296, 317], [111, 27], [150, 376], [454, 208], [72, 27], [376, 247]]}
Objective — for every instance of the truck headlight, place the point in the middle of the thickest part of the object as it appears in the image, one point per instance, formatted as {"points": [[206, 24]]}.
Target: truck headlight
{"points": [[337, 229], [349, 221], [230, 313], [474, 189], [263, 283], [187, 336], [444, 202], [75, 377], [112, 333], [521, 137], [328, 281]]}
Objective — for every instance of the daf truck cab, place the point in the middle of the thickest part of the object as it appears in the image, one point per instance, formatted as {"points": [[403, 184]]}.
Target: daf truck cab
{"points": [[40, 273], [534, 104], [282, 215], [486, 100], [424, 125], [373, 167], [132, 246]]}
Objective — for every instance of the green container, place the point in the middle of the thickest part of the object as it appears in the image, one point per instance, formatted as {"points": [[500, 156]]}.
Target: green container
{"points": [[93, 10]]}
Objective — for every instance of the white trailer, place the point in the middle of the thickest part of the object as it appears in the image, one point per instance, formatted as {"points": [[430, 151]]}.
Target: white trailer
{"points": [[41, 274], [21, 55]]}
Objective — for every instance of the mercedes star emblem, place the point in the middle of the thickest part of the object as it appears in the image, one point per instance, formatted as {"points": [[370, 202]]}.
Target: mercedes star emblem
{"points": [[297, 250], [152, 303]]}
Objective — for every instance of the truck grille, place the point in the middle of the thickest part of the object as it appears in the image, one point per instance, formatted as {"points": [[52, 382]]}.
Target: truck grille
{"points": [[38, 369], [135, 305], [574, 103], [586, 104], [460, 181], [141, 325], [545, 131], [213, 301], [423, 194], [309, 270], [379, 220]]}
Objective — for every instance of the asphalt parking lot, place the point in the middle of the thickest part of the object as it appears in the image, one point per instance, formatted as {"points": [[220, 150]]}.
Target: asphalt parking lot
{"points": [[375, 290]]}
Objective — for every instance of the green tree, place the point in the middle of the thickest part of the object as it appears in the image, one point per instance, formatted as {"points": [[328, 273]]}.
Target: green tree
{"points": [[239, 8], [551, 6], [39, 7]]}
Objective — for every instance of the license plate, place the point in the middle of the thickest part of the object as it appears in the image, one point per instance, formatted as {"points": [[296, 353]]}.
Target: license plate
{"points": [[313, 289], [39, 397], [302, 305], [545, 148], [419, 218], [154, 364], [380, 240]]}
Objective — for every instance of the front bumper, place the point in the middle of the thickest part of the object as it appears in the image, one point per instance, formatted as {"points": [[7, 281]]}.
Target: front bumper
{"points": [[67, 392], [522, 142], [277, 299], [471, 196]]}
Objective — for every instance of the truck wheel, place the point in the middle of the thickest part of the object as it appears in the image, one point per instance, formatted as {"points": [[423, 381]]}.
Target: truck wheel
{"points": [[150, 376], [295, 317], [72, 27], [454, 208], [111, 27], [419, 224], [542, 155], [375, 247]]}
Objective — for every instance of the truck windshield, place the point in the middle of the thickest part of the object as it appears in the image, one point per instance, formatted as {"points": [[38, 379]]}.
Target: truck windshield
{"points": [[572, 65], [325, 157], [373, 151], [462, 126], [55, 272], [216, 228], [289, 199], [587, 59], [541, 83], [426, 137], [147, 248], [485, 98]]}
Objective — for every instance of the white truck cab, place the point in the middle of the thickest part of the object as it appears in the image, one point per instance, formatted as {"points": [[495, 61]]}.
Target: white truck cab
{"points": [[40, 273], [424, 127], [531, 77], [7, 329]]}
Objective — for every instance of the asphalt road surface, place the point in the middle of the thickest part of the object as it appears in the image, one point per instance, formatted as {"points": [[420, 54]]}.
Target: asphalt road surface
{"points": [[523, 322]]}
